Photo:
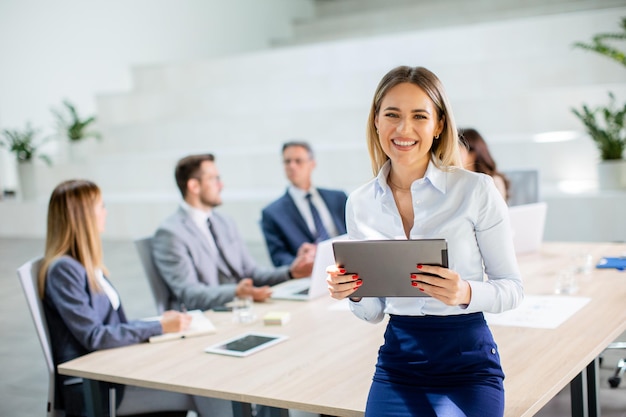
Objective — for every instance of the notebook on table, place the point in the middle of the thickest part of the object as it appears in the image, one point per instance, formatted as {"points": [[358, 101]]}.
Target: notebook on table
{"points": [[200, 325], [527, 226], [315, 286]]}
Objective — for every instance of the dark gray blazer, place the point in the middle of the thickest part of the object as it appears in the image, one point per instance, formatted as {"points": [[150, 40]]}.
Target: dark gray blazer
{"points": [[188, 266]]}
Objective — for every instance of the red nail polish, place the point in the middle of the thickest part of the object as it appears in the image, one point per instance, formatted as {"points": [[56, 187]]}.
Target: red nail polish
{"points": [[355, 276], [359, 283], [413, 275], [413, 283], [342, 271], [421, 289], [419, 266]]}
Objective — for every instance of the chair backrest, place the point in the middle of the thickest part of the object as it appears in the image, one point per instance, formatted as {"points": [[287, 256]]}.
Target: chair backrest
{"points": [[523, 186], [27, 275], [160, 291]]}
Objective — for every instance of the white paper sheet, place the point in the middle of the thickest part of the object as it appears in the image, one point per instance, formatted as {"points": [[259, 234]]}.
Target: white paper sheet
{"points": [[539, 311], [340, 305]]}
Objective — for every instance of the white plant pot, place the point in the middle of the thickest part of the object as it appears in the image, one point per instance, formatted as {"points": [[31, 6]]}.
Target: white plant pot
{"points": [[612, 174], [27, 179], [78, 151]]}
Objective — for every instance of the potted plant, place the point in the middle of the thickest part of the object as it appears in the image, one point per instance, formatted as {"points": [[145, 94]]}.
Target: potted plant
{"points": [[25, 145], [606, 124], [73, 127]]}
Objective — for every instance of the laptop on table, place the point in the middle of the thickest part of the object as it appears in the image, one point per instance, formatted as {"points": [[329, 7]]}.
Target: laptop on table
{"points": [[527, 226], [315, 286]]}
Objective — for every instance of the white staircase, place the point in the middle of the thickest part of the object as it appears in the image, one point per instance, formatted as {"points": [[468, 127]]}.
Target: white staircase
{"points": [[510, 80], [343, 19]]}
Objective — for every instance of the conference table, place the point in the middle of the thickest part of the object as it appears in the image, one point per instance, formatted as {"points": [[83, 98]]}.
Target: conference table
{"points": [[326, 364]]}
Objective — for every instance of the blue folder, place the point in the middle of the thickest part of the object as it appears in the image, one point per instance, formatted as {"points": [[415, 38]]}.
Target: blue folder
{"points": [[618, 263]]}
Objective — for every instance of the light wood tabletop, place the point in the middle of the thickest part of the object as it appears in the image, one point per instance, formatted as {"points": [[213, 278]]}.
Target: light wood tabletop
{"points": [[539, 363], [327, 363]]}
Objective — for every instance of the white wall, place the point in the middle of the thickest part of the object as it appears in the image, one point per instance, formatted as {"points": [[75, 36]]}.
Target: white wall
{"points": [[77, 49], [510, 79]]}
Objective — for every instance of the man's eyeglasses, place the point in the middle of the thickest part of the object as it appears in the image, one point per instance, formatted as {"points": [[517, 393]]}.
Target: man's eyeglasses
{"points": [[297, 161], [211, 178]]}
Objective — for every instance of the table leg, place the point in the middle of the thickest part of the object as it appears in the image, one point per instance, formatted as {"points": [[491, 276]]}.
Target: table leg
{"points": [[279, 412], [593, 381], [242, 409], [584, 392], [93, 399], [578, 393], [267, 411]]}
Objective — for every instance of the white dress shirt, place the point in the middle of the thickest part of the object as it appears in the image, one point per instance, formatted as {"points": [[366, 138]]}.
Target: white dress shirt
{"points": [[299, 197], [463, 207]]}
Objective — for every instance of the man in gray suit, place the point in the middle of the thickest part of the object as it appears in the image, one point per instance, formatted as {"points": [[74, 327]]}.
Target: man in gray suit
{"points": [[200, 253]]}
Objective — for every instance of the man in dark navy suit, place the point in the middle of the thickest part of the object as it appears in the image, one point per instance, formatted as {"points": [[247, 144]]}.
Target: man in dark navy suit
{"points": [[304, 215]]}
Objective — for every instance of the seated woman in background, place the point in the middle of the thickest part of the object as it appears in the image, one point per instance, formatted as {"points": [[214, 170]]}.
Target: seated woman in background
{"points": [[476, 157], [84, 311]]}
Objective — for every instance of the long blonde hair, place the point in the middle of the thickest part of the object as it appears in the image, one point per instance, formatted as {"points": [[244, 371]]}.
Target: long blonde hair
{"points": [[445, 150], [73, 230]]}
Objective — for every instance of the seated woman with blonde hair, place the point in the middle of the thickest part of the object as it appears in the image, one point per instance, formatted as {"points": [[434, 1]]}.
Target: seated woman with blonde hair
{"points": [[476, 157], [84, 312]]}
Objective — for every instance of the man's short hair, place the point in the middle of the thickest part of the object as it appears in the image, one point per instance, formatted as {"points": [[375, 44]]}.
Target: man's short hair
{"points": [[189, 167], [300, 143]]}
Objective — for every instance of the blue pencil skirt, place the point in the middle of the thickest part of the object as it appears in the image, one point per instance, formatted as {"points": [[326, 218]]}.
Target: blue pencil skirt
{"points": [[437, 366]]}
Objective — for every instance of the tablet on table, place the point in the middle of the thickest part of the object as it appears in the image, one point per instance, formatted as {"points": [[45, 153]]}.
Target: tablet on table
{"points": [[245, 344]]}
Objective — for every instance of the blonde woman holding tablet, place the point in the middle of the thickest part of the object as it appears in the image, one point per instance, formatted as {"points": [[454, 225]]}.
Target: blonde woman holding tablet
{"points": [[439, 357]]}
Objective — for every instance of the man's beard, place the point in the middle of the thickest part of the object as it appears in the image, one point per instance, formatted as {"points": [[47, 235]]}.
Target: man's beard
{"points": [[212, 203]]}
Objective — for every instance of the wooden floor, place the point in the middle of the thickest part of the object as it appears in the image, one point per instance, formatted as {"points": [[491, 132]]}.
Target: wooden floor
{"points": [[23, 382]]}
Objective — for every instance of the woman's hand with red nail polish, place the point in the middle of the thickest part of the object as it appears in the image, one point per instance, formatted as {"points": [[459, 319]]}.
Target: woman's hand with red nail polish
{"points": [[340, 283], [443, 284]]}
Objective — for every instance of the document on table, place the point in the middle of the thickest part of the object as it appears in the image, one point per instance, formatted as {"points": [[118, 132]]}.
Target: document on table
{"points": [[539, 311], [340, 305], [200, 325]]}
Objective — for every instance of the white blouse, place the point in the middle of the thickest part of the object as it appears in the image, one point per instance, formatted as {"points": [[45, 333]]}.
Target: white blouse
{"points": [[108, 289], [463, 207]]}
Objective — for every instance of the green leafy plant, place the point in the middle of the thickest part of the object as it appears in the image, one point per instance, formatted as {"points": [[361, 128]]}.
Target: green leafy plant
{"points": [[605, 124], [72, 125], [24, 144], [598, 44]]}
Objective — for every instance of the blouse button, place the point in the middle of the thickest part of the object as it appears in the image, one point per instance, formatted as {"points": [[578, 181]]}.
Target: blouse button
{"points": [[493, 350]]}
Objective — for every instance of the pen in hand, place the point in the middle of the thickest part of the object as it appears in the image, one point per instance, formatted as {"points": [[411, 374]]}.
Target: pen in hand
{"points": [[174, 321]]}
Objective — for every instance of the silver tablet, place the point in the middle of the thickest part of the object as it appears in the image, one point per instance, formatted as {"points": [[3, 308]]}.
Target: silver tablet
{"points": [[385, 266]]}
